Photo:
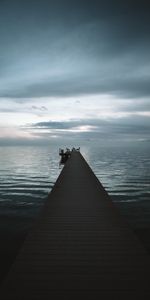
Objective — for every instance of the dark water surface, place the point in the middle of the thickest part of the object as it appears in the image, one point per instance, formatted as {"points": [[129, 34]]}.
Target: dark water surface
{"points": [[27, 174], [125, 174]]}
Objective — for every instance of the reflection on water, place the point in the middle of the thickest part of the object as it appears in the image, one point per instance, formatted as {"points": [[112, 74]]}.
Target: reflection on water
{"points": [[125, 175], [27, 174]]}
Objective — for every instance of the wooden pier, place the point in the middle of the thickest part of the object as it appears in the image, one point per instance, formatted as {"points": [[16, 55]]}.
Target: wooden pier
{"points": [[79, 247]]}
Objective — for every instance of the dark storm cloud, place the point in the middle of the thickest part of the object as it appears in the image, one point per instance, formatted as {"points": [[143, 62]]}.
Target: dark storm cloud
{"points": [[60, 48], [56, 125], [67, 124], [133, 124]]}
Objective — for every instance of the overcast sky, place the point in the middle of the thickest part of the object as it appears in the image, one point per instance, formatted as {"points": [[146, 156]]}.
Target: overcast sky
{"points": [[74, 68]]}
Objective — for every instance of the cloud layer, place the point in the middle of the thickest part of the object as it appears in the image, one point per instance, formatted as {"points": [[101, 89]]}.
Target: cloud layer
{"points": [[77, 66], [63, 48]]}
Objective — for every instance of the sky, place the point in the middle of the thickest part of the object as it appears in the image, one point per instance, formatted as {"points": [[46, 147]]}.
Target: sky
{"points": [[77, 70]]}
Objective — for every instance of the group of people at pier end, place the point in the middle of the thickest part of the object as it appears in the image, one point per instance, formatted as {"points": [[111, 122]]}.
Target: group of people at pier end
{"points": [[66, 154]]}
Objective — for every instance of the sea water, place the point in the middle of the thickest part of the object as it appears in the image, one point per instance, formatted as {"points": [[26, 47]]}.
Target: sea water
{"points": [[28, 173]]}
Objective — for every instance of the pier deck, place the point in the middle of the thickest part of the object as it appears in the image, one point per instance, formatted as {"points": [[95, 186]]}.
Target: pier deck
{"points": [[79, 246]]}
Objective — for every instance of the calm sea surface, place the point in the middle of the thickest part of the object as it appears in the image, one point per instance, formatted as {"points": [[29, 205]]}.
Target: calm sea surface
{"points": [[27, 174]]}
